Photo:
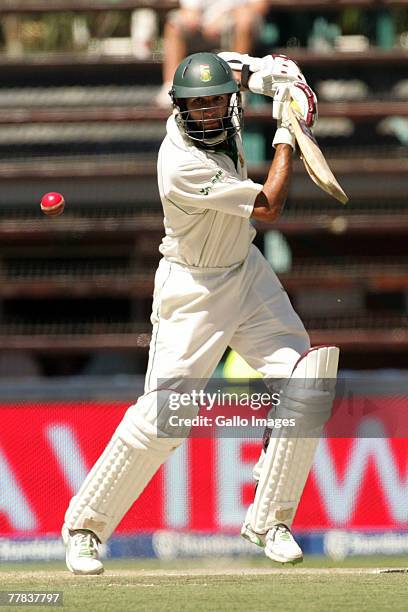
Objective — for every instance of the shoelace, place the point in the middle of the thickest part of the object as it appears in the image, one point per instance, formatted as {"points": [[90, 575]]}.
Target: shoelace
{"points": [[86, 545], [283, 532]]}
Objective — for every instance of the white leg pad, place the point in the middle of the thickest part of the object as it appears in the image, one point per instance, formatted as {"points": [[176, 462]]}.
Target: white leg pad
{"points": [[126, 466], [283, 467]]}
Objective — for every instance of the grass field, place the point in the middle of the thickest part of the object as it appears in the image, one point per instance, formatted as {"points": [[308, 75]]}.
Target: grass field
{"points": [[362, 584]]}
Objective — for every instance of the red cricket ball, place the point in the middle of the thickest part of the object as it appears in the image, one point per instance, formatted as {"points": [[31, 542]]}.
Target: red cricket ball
{"points": [[52, 204]]}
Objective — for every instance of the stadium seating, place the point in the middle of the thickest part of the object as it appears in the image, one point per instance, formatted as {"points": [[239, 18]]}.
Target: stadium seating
{"points": [[83, 125]]}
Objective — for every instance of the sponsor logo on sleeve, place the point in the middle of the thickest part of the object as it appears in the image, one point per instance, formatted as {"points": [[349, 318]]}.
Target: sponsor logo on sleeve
{"points": [[206, 190]]}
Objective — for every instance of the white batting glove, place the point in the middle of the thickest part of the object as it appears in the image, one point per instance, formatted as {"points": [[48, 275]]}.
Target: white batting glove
{"points": [[305, 102], [304, 98], [273, 71], [262, 75], [284, 132]]}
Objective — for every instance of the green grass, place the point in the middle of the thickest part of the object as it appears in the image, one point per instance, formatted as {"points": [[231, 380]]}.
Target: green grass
{"points": [[224, 584]]}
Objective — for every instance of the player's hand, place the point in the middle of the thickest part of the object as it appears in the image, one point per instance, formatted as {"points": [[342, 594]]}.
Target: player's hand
{"points": [[284, 132], [274, 70], [303, 97], [281, 69]]}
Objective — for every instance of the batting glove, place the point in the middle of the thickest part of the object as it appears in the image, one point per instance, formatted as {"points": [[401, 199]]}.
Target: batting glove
{"points": [[284, 133], [273, 70], [304, 101], [262, 75]]}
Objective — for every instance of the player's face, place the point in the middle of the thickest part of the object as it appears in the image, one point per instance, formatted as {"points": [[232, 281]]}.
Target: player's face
{"points": [[208, 109]]}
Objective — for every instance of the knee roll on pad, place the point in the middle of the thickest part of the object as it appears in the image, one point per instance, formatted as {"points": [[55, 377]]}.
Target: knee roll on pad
{"points": [[286, 459]]}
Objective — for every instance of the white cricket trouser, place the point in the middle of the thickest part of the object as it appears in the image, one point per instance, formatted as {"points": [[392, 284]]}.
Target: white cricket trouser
{"points": [[197, 314]]}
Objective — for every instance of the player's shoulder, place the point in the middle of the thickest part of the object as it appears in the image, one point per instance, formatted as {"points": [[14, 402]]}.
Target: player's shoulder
{"points": [[182, 156]]}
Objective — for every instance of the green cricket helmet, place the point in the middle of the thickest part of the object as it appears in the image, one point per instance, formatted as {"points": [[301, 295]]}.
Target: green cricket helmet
{"points": [[200, 75]]}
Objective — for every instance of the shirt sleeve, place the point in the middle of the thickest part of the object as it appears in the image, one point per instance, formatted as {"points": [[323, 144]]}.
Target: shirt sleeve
{"points": [[212, 187]]}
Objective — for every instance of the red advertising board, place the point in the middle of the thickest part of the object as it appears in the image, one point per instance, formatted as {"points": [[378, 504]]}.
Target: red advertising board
{"points": [[46, 450]]}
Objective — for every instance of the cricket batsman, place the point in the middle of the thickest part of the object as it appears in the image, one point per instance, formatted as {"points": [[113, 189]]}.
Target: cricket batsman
{"points": [[214, 289]]}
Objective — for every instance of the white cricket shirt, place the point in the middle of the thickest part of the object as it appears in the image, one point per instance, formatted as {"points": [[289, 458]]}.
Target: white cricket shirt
{"points": [[206, 201]]}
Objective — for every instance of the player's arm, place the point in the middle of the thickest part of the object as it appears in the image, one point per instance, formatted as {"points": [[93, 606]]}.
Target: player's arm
{"points": [[195, 185], [270, 201]]}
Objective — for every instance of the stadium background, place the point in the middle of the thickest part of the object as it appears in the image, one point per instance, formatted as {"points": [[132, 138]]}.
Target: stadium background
{"points": [[76, 116]]}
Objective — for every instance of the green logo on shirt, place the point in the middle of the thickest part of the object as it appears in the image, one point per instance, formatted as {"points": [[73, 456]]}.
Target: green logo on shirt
{"points": [[215, 178]]}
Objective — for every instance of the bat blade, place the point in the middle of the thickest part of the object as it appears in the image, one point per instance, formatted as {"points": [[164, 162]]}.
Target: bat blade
{"points": [[314, 160]]}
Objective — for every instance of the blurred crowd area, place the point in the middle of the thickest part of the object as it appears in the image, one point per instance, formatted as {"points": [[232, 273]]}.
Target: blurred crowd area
{"points": [[140, 28], [84, 100]]}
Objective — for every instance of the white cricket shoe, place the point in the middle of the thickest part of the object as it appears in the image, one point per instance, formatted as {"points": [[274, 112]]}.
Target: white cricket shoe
{"points": [[278, 543], [82, 551], [281, 546], [249, 534]]}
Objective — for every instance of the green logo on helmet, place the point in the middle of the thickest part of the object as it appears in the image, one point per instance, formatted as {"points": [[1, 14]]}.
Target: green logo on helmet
{"points": [[205, 73]]}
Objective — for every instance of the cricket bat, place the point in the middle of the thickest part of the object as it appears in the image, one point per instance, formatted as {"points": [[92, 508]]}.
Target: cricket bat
{"points": [[313, 158]]}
